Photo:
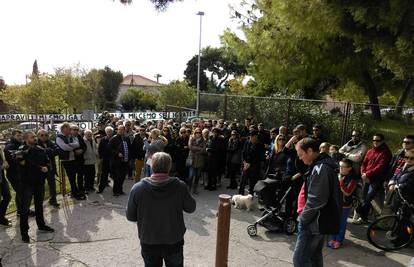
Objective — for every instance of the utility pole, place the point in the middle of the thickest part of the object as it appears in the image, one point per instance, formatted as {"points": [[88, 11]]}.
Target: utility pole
{"points": [[201, 14], [157, 76]]}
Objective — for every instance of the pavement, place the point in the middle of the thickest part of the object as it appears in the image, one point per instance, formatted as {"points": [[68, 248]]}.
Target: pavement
{"points": [[95, 232]]}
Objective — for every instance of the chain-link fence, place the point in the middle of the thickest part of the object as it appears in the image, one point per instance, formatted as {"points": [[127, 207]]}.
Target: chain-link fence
{"points": [[338, 119]]}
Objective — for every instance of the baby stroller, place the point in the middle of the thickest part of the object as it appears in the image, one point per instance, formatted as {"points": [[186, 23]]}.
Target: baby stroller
{"points": [[271, 194]]}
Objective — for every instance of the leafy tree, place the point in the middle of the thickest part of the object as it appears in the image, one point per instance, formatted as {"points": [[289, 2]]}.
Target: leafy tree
{"points": [[78, 94], [93, 82], [3, 106], [311, 46], [220, 63], [68, 89], [110, 87], [136, 99], [43, 94], [190, 73], [159, 4], [177, 93]]}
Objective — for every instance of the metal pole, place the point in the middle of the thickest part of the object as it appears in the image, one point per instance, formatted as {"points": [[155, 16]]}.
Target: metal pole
{"points": [[201, 14], [223, 230]]}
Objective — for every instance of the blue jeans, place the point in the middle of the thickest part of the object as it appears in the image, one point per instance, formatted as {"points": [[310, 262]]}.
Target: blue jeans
{"points": [[370, 191], [154, 255], [342, 228], [147, 170], [308, 248]]}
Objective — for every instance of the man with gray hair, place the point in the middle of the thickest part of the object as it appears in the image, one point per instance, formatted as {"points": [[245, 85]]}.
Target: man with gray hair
{"points": [[156, 204]]}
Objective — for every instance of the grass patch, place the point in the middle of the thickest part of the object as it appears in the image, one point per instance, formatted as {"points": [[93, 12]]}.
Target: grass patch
{"points": [[393, 130]]}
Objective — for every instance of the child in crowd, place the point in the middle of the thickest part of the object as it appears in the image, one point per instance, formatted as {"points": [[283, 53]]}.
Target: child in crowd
{"points": [[324, 147], [334, 152], [348, 181]]}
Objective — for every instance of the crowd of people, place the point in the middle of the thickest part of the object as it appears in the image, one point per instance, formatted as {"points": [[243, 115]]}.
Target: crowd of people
{"points": [[203, 153]]}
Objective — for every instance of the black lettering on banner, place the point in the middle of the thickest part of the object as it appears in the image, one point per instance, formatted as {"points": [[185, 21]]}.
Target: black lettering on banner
{"points": [[131, 115]]}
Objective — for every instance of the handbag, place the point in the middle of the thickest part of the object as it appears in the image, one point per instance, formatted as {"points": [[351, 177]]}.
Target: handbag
{"points": [[189, 161]]}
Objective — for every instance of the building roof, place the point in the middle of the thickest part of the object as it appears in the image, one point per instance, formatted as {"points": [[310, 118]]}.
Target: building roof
{"points": [[138, 80]]}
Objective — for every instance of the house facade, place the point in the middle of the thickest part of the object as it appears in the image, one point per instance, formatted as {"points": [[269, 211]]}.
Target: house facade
{"points": [[139, 82]]}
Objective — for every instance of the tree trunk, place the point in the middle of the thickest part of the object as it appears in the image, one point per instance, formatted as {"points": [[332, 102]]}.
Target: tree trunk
{"points": [[372, 92], [404, 95]]}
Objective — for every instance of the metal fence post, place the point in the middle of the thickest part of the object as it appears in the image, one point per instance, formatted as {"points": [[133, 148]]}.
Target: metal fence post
{"points": [[223, 230], [289, 110], [225, 107], [252, 107], [345, 122]]}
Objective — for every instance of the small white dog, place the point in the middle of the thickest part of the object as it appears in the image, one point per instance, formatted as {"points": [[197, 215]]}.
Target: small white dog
{"points": [[243, 202]]}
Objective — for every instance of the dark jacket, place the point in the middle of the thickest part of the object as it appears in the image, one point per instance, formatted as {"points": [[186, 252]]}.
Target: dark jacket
{"points": [[216, 149], [1, 167], [253, 153], [103, 149], [320, 138], [405, 181], [396, 161], [264, 137], [11, 147], [234, 151], [158, 210], [34, 158], [137, 148], [277, 163], [293, 164], [321, 186], [82, 148], [52, 150], [116, 147], [349, 184]]}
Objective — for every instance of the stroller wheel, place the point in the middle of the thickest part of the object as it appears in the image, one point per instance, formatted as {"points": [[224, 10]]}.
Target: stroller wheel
{"points": [[252, 230], [289, 226]]}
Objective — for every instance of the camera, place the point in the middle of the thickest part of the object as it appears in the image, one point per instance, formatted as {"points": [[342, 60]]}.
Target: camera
{"points": [[18, 154]]}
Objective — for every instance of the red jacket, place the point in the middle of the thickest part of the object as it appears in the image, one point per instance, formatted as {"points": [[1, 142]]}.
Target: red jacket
{"points": [[376, 162]]}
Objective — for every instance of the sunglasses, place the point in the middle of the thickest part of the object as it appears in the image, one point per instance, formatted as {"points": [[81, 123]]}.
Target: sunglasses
{"points": [[409, 158], [376, 140], [407, 142], [355, 135], [165, 131], [197, 132]]}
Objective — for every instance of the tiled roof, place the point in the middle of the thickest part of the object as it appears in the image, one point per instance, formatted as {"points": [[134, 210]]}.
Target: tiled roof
{"points": [[138, 80]]}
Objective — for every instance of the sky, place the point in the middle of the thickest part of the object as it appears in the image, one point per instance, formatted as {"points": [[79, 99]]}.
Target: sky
{"points": [[97, 33]]}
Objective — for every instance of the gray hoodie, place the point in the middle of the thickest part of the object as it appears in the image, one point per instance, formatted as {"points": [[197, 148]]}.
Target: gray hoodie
{"points": [[158, 207]]}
